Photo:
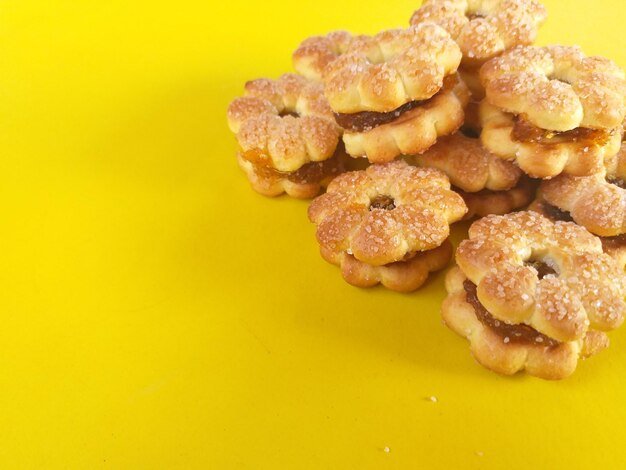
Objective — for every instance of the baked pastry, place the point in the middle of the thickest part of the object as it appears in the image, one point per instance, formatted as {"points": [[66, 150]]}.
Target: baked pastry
{"points": [[533, 294], [488, 184], [487, 202], [614, 246], [484, 28], [553, 110], [399, 97], [387, 224], [288, 138], [596, 202], [315, 53]]}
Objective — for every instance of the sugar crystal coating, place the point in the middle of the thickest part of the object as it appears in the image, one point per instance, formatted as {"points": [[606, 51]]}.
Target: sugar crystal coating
{"points": [[557, 87], [405, 65], [284, 124], [484, 28], [424, 208], [597, 202], [587, 289]]}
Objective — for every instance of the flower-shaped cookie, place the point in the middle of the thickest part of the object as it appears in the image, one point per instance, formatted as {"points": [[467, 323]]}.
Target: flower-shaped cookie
{"points": [[553, 110], [410, 131], [488, 184], [315, 53], [486, 202], [505, 348], [385, 214], [557, 88], [596, 202], [545, 154], [484, 28], [536, 282], [284, 123], [614, 246], [395, 93], [287, 135], [469, 165], [407, 65], [505, 256]]}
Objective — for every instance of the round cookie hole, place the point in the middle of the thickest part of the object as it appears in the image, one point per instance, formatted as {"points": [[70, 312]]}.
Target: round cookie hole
{"points": [[383, 202], [559, 79], [544, 267]]}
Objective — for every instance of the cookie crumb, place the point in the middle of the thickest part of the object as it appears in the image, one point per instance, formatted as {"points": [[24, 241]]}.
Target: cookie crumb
{"points": [[479, 453], [433, 399], [386, 450]]}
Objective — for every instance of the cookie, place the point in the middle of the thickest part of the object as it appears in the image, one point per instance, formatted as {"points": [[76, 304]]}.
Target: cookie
{"points": [[486, 202], [488, 184], [596, 202], [314, 54], [288, 138], [553, 110], [484, 28], [398, 98], [614, 246], [532, 294], [388, 224]]}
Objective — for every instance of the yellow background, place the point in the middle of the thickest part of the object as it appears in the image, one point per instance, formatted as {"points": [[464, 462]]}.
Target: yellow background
{"points": [[158, 314]]}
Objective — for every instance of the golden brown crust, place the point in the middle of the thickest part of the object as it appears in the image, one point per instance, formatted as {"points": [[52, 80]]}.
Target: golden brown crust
{"points": [[508, 357], [402, 276], [414, 131], [268, 135], [269, 182], [587, 291], [484, 28], [416, 216], [615, 247], [484, 203], [314, 54], [469, 165], [544, 159], [557, 87], [593, 201], [407, 65]]}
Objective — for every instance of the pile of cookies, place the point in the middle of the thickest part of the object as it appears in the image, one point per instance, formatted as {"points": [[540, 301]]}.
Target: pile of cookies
{"points": [[457, 117]]}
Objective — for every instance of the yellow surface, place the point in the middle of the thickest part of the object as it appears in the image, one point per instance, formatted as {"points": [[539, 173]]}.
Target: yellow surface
{"points": [[158, 314]]}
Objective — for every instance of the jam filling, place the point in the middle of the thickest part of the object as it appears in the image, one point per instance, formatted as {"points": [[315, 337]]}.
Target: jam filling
{"points": [[367, 120], [524, 131], [309, 173], [557, 214], [515, 333], [614, 242], [383, 202]]}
